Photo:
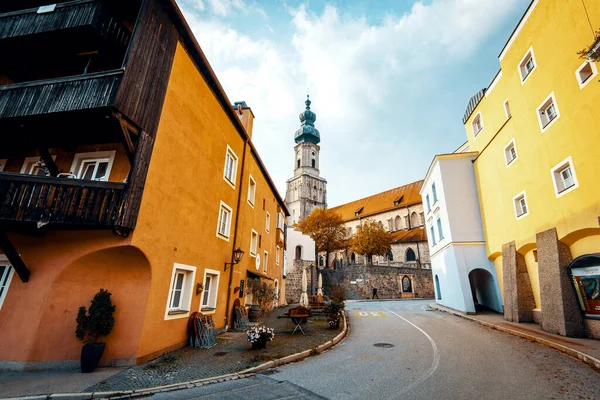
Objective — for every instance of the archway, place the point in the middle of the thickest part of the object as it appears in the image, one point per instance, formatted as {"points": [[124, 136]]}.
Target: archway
{"points": [[353, 258], [298, 252], [406, 284], [483, 290], [320, 261], [437, 288]]}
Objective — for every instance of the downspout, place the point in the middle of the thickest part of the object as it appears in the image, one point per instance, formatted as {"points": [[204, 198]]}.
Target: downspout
{"points": [[235, 231]]}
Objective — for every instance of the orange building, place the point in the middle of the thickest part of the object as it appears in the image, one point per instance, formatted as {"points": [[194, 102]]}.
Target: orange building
{"points": [[124, 167]]}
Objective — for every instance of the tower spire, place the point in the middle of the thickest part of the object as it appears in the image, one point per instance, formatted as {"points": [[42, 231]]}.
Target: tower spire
{"points": [[307, 131]]}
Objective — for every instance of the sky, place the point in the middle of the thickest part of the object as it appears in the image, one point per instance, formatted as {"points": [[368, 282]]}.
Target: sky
{"points": [[389, 80]]}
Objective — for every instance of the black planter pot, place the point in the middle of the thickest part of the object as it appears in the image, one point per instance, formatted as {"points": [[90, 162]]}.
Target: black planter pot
{"points": [[90, 356], [259, 344]]}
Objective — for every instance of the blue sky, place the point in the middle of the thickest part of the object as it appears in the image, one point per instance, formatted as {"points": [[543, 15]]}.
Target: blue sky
{"points": [[389, 80]]}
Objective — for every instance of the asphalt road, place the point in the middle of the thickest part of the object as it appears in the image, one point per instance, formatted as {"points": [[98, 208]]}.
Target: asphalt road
{"points": [[400, 350]]}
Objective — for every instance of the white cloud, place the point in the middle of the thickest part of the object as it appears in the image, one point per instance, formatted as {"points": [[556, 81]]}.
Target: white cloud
{"points": [[362, 77]]}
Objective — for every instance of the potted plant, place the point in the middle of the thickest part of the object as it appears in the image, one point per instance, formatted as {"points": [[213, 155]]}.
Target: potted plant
{"points": [[259, 336], [333, 312], [92, 323], [263, 295]]}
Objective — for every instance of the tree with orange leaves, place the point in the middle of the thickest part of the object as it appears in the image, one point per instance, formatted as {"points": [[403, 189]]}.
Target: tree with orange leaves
{"points": [[370, 239], [326, 228]]}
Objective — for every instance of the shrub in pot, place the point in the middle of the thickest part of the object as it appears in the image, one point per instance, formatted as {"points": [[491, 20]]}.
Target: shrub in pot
{"points": [[92, 323]]}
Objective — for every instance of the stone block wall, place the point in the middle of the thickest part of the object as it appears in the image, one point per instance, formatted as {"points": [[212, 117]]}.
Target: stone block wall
{"points": [[293, 280]]}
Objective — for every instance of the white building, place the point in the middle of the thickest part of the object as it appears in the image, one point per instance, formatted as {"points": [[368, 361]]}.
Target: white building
{"points": [[463, 276]]}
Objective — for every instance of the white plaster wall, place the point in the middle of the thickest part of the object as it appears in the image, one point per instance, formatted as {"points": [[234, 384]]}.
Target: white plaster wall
{"points": [[295, 238]]}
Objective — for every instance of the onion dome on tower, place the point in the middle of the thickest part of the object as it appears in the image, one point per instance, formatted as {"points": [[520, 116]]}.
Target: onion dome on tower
{"points": [[307, 132]]}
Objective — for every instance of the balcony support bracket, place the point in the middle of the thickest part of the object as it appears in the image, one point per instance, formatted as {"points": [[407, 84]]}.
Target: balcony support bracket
{"points": [[14, 257], [127, 129]]}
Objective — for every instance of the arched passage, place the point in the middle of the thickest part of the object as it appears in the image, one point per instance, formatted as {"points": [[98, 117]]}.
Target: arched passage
{"points": [[298, 252], [484, 289], [125, 272], [353, 258]]}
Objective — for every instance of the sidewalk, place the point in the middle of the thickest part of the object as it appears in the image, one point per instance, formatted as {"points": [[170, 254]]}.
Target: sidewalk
{"points": [[232, 355], [587, 350]]}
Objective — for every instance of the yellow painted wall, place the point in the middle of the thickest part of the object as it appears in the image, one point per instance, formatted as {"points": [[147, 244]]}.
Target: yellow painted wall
{"points": [[556, 30]]}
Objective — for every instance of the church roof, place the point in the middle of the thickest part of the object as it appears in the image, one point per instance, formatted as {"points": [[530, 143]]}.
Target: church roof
{"points": [[411, 235], [397, 198]]}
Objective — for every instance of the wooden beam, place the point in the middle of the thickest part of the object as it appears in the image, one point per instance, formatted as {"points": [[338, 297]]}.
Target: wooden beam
{"points": [[49, 161], [14, 257], [127, 128]]}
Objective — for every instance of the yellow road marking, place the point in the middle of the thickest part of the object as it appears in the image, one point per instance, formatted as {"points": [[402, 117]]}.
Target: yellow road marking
{"points": [[369, 314]]}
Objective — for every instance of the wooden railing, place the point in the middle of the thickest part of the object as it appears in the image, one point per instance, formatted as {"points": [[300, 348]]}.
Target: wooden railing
{"points": [[71, 93], [47, 200]]}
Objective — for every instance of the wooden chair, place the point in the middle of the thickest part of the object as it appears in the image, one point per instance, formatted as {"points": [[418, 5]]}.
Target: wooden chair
{"points": [[240, 317], [201, 331]]}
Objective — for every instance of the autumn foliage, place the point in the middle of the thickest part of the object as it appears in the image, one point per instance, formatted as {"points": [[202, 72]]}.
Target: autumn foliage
{"points": [[325, 227], [370, 239]]}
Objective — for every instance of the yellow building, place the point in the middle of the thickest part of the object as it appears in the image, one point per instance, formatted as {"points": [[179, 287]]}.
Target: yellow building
{"points": [[536, 130]]}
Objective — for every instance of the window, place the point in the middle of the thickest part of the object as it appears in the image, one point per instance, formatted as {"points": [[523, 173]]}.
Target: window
{"points": [[548, 112], [253, 242], [313, 163], [437, 287], [251, 191], [510, 152], [33, 166], [2, 164], [564, 178], [476, 125], [432, 233], [298, 164], [298, 252], [435, 199], [527, 65], [6, 273], [410, 255], [268, 222], [398, 223], [224, 223], [507, 109], [94, 166], [210, 290], [428, 203], [520, 203], [389, 255], [277, 249], [259, 241], [414, 220], [280, 220], [440, 231], [180, 291], [266, 262], [585, 73], [230, 171]]}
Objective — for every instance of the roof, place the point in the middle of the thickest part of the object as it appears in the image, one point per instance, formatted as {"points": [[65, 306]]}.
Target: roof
{"points": [[381, 202], [472, 154], [411, 235], [473, 102]]}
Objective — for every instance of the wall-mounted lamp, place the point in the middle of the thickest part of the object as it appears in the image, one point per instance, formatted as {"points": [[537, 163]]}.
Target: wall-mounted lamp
{"points": [[199, 288], [237, 257]]}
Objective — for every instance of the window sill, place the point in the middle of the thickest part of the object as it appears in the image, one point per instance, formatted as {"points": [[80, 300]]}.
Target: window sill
{"points": [[207, 309], [510, 162], [177, 312]]}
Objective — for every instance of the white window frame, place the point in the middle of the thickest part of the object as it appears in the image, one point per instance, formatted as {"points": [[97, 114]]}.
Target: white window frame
{"points": [[521, 65], [551, 99], [251, 191], [280, 220], [224, 206], [475, 118], [590, 78], [234, 157], [253, 243], [518, 196], [440, 229], [266, 262], [2, 164], [506, 153], [213, 294], [268, 222], [277, 249], [183, 311], [80, 158], [507, 109], [5, 278], [555, 173], [29, 162]]}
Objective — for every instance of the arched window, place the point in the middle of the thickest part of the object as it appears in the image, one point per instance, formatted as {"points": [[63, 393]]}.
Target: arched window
{"points": [[349, 231], [353, 258], [410, 255], [313, 163], [369, 259], [298, 252], [298, 164], [389, 255], [414, 220], [437, 288], [380, 224], [398, 223], [320, 261]]}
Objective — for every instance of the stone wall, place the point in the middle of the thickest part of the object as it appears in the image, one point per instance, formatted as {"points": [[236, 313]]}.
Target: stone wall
{"points": [[293, 280], [387, 280]]}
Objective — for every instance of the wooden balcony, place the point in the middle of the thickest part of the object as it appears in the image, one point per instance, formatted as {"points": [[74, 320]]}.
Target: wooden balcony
{"points": [[81, 14], [29, 201], [73, 93]]}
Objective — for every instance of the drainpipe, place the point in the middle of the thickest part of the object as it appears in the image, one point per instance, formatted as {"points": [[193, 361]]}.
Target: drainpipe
{"points": [[418, 256], [235, 231]]}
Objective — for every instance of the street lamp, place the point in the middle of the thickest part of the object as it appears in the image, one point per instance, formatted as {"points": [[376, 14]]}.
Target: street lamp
{"points": [[237, 257]]}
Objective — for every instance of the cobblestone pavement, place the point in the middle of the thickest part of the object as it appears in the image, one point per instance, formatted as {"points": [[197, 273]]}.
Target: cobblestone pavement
{"points": [[232, 354]]}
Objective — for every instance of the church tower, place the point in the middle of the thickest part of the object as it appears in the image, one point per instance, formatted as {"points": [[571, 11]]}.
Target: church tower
{"points": [[306, 190]]}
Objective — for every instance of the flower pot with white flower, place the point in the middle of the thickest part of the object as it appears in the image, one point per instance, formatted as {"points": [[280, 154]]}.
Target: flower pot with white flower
{"points": [[259, 336]]}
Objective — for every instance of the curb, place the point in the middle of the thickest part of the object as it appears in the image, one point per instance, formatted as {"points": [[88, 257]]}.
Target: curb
{"points": [[128, 394], [586, 358], [373, 300]]}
